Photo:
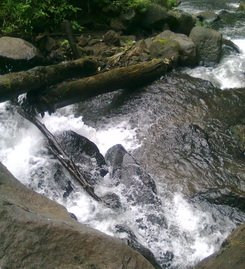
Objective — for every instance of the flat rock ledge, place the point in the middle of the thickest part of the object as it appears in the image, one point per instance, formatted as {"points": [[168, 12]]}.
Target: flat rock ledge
{"points": [[36, 232]]}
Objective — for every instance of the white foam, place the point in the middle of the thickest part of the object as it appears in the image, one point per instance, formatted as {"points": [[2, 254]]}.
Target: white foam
{"points": [[229, 73]]}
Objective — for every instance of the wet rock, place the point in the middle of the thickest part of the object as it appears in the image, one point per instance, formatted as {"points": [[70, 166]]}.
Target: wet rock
{"points": [[231, 254], [187, 48], [207, 16], [224, 196], [133, 242], [112, 200], [35, 231], [208, 43], [239, 134], [140, 188], [83, 152], [17, 54]]}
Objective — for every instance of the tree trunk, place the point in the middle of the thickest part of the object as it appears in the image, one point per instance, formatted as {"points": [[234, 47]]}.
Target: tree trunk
{"points": [[41, 77], [71, 92]]}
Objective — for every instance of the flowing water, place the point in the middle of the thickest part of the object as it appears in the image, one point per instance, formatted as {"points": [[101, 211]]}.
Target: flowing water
{"points": [[192, 228], [230, 72]]}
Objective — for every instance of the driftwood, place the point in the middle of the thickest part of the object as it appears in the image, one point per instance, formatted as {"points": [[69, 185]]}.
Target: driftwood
{"points": [[60, 154], [129, 77], [41, 77]]}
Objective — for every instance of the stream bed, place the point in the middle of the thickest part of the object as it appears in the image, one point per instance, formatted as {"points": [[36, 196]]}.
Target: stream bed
{"points": [[176, 138]]}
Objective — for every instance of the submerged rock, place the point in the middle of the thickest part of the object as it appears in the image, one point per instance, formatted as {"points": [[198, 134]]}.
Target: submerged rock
{"points": [[37, 232]]}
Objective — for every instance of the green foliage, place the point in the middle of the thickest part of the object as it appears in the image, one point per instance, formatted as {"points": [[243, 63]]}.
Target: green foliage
{"points": [[34, 15], [28, 16]]}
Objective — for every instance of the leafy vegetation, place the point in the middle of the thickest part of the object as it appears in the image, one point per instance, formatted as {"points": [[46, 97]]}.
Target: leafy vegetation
{"points": [[34, 15], [28, 16]]}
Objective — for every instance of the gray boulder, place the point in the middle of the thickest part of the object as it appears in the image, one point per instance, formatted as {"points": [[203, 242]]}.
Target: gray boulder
{"points": [[208, 43], [181, 22], [155, 17], [139, 187], [16, 53], [187, 48], [164, 48], [36, 232], [207, 16]]}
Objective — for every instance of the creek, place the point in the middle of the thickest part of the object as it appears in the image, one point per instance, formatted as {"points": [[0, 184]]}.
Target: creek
{"points": [[164, 126]]}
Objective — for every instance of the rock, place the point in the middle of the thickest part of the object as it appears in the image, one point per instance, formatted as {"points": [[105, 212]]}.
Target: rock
{"points": [[207, 16], [208, 43], [241, 6], [84, 152], [231, 45], [238, 132], [117, 24], [112, 38], [155, 17], [224, 196], [231, 254], [140, 188], [83, 41], [37, 232], [164, 48], [17, 54], [187, 48], [133, 242], [181, 22]]}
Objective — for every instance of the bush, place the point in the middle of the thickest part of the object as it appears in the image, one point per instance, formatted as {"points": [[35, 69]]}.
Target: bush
{"points": [[29, 16], [32, 16]]}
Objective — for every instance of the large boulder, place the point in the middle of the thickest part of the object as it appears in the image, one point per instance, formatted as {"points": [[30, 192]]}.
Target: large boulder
{"points": [[231, 254], [187, 48], [16, 54], [155, 17], [208, 43], [181, 22], [138, 186], [36, 232], [164, 48]]}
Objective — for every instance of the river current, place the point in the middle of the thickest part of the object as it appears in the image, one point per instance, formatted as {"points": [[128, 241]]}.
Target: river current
{"points": [[193, 230]]}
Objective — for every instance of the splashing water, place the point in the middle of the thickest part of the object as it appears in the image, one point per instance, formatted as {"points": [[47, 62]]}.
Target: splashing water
{"points": [[187, 234]]}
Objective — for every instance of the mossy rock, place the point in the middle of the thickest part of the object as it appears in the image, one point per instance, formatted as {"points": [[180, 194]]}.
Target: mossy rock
{"points": [[164, 48]]}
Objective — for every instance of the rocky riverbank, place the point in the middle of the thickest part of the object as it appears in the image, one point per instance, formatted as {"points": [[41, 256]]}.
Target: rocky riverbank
{"points": [[195, 140]]}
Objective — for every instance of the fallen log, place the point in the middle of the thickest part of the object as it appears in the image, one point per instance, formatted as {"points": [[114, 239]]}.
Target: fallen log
{"points": [[72, 92], [61, 155], [41, 77]]}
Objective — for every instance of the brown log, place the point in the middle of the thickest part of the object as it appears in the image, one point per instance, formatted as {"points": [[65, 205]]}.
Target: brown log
{"points": [[41, 77], [61, 155], [129, 77]]}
